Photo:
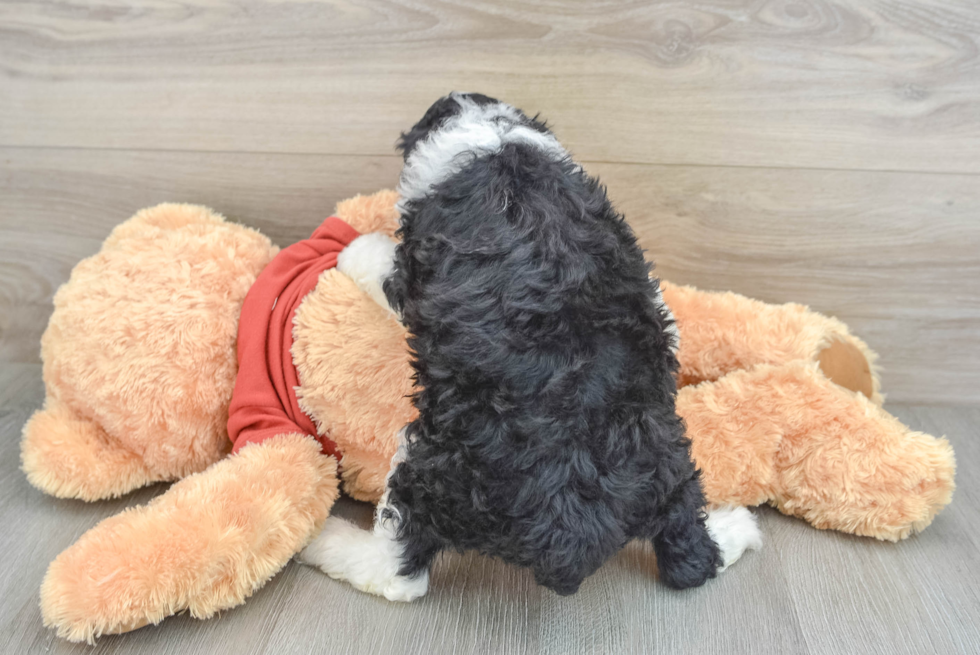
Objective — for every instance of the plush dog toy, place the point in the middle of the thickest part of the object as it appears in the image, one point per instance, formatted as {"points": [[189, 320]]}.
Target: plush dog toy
{"points": [[781, 403]]}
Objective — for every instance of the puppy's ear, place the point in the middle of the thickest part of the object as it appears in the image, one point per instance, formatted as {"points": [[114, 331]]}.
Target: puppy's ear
{"points": [[478, 98], [395, 286], [439, 112]]}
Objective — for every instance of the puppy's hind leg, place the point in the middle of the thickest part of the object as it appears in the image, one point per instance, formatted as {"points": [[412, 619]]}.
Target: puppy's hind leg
{"points": [[371, 560], [376, 561], [692, 547], [686, 554]]}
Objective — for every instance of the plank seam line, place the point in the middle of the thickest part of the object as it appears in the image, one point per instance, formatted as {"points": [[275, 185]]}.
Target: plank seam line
{"points": [[896, 171]]}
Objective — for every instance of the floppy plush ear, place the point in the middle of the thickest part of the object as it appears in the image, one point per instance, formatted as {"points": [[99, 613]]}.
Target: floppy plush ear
{"points": [[723, 332]]}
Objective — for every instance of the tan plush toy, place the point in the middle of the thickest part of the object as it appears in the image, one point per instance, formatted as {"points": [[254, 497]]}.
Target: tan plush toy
{"points": [[781, 404]]}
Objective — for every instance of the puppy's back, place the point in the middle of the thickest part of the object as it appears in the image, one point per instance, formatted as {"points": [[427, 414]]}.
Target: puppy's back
{"points": [[543, 363]]}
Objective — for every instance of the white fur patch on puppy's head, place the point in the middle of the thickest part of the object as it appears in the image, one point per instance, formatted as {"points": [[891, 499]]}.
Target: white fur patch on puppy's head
{"points": [[475, 126]]}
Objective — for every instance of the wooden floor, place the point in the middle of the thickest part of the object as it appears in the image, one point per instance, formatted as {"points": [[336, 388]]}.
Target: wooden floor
{"points": [[819, 151]]}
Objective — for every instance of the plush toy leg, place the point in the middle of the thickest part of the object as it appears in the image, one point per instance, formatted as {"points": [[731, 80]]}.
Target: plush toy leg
{"points": [[204, 546], [68, 456], [725, 332], [789, 436]]}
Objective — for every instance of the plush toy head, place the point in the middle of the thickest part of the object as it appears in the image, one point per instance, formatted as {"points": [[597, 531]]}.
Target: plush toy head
{"points": [[139, 355]]}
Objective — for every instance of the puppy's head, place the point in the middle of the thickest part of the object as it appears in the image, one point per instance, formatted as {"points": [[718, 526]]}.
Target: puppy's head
{"points": [[438, 114], [459, 128]]}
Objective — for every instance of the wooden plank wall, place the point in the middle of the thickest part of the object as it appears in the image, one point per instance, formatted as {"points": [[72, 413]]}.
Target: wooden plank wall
{"points": [[820, 151]]}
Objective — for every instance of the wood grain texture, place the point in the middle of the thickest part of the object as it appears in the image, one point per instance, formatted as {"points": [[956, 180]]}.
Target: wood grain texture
{"points": [[884, 85], [57, 206], [895, 255], [806, 592]]}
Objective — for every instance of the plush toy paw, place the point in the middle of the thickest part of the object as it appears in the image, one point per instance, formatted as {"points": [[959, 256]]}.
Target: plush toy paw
{"points": [[368, 560], [735, 530]]}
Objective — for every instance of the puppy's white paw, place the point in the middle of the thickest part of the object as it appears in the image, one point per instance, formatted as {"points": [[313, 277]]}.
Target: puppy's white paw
{"points": [[735, 530], [337, 549], [404, 589], [369, 561]]}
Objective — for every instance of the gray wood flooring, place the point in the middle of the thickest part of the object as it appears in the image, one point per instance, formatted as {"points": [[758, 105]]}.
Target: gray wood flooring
{"points": [[807, 591]]}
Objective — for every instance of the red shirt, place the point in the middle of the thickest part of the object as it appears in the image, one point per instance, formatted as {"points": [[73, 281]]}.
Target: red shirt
{"points": [[264, 402]]}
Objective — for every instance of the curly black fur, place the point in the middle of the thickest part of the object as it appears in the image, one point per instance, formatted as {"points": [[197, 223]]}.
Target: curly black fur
{"points": [[547, 434]]}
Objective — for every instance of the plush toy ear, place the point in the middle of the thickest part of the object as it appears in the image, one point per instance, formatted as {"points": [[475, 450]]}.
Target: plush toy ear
{"points": [[844, 363], [69, 456], [722, 332]]}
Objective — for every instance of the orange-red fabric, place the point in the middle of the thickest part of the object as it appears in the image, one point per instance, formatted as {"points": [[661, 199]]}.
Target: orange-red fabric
{"points": [[264, 402]]}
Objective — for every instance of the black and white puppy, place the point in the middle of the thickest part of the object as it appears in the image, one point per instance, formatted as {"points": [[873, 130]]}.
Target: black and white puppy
{"points": [[547, 434]]}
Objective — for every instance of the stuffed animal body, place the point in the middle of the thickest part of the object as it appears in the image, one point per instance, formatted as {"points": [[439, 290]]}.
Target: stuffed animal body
{"points": [[781, 405]]}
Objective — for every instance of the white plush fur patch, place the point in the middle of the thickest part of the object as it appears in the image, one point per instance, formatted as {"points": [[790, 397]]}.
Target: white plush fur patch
{"points": [[735, 530], [475, 131], [368, 260]]}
